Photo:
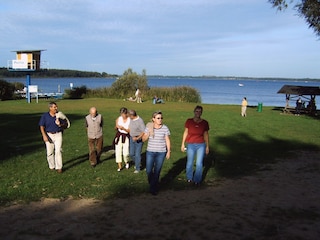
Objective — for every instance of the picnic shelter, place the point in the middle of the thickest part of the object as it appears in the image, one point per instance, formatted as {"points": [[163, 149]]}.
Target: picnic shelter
{"points": [[305, 93]]}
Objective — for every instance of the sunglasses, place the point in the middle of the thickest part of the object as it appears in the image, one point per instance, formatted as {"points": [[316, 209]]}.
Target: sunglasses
{"points": [[159, 118]]}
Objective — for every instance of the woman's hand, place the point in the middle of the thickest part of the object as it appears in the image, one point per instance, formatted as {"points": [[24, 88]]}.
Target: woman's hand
{"points": [[183, 148], [207, 150]]}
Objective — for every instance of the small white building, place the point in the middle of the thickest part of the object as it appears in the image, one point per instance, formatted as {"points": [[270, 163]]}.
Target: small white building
{"points": [[27, 60]]}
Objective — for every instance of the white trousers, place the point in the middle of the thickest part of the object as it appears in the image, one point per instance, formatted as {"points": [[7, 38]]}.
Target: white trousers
{"points": [[122, 149], [53, 146], [243, 111]]}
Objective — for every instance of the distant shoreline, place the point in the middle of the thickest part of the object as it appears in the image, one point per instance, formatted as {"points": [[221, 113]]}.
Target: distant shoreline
{"points": [[68, 73], [239, 78], [186, 77]]}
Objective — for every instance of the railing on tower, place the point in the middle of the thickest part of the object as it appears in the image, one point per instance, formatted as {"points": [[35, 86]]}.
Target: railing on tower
{"points": [[20, 65]]}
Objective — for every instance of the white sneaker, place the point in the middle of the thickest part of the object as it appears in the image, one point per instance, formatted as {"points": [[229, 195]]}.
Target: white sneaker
{"points": [[136, 171], [127, 165], [119, 170]]}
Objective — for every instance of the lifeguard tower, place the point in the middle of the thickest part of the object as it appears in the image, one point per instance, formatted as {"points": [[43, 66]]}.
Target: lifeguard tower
{"points": [[27, 61]]}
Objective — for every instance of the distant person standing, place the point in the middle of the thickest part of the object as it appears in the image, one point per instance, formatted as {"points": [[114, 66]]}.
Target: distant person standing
{"points": [[298, 106], [136, 131], [94, 125], [158, 136], [197, 138], [138, 96], [122, 139], [51, 128], [244, 105]]}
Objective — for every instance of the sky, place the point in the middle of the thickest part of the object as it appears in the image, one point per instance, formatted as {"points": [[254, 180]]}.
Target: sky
{"points": [[246, 38]]}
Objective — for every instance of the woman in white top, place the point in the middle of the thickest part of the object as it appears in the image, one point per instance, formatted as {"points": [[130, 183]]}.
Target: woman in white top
{"points": [[121, 140]]}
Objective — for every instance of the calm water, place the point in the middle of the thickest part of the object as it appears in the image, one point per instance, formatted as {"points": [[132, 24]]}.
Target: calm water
{"points": [[212, 91]]}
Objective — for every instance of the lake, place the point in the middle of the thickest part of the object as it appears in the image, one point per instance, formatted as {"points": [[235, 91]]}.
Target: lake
{"points": [[212, 91]]}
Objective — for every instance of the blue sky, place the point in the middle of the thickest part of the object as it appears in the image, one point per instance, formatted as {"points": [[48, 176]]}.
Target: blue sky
{"points": [[165, 37]]}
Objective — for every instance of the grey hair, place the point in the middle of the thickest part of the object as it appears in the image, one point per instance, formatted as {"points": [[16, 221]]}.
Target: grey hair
{"points": [[52, 103], [132, 112]]}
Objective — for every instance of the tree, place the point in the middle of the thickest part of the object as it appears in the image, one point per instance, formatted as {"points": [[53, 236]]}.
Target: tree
{"points": [[76, 93], [129, 82], [308, 9], [6, 90]]}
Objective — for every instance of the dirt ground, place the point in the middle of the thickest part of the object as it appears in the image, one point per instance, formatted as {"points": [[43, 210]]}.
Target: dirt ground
{"points": [[281, 201]]}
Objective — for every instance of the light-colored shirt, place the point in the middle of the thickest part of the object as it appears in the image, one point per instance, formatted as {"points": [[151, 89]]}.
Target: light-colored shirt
{"points": [[157, 142], [136, 126], [244, 103], [123, 124]]}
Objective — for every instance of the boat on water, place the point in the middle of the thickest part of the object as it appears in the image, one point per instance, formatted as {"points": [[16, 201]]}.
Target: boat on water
{"points": [[241, 85]]}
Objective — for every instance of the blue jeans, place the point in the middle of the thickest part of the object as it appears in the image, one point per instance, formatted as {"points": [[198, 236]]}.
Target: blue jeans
{"points": [[135, 152], [193, 149], [154, 164]]}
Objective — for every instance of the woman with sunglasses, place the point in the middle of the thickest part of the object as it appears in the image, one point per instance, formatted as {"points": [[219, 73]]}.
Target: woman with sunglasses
{"points": [[197, 138], [158, 136]]}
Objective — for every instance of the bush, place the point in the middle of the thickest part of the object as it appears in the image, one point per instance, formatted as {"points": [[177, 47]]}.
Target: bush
{"points": [[104, 92], [126, 86], [18, 86], [171, 94], [128, 83], [75, 93], [6, 90], [175, 94]]}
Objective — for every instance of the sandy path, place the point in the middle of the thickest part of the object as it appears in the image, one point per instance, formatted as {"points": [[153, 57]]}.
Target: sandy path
{"points": [[282, 201]]}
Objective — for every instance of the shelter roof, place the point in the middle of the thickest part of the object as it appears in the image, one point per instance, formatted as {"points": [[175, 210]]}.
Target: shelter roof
{"points": [[28, 51], [299, 90]]}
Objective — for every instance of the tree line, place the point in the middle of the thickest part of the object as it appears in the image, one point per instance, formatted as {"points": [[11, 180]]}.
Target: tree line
{"points": [[54, 73]]}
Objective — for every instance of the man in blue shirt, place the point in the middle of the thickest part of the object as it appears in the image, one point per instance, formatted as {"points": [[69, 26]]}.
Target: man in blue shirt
{"points": [[51, 128]]}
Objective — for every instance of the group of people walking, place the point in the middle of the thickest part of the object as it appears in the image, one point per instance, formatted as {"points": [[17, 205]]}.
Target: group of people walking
{"points": [[131, 133]]}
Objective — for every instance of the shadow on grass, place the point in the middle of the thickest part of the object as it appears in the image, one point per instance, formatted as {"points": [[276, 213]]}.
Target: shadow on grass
{"points": [[179, 167], [21, 134], [291, 111], [234, 156], [106, 155], [243, 155]]}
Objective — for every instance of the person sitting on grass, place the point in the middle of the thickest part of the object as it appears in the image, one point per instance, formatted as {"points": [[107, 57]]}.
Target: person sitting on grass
{"points": [[156, 100], [131, 99]]}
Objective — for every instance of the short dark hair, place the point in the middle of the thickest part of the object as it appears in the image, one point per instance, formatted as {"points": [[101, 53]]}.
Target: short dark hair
{"points": [[198, 107]]}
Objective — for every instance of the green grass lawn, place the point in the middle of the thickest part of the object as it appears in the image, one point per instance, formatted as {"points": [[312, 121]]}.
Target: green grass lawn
{"points": [[238, 145]]}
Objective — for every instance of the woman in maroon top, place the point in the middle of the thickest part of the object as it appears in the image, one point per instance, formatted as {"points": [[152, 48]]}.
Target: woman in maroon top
{"points": [[197, 138]]}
